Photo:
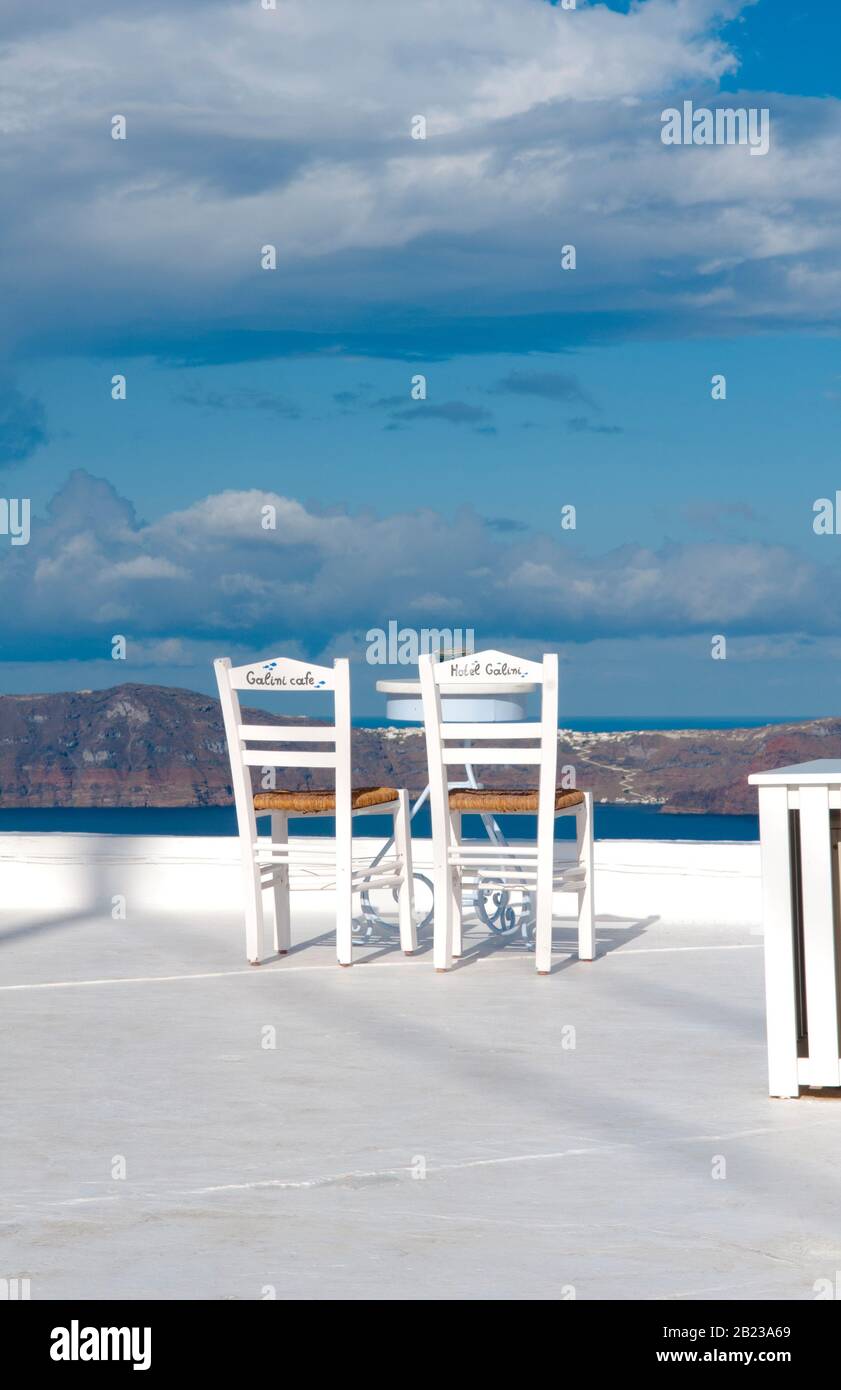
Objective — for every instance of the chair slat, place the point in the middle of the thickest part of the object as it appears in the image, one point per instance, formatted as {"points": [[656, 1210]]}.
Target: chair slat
{"points": [[487, 668], [281, 757], [287, 733], [486, 731], [282, 674], [482, 757], [473, 847]]}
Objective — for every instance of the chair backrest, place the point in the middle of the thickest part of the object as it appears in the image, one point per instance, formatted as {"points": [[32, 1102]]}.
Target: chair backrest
{"points": [[285, 676], [449, 743]]}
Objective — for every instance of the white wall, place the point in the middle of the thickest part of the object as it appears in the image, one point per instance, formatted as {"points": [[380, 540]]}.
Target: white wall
{"points": [[678, 881]]}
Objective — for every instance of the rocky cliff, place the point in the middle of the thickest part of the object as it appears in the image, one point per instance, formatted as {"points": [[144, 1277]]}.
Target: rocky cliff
{"points": [[147, 745]]}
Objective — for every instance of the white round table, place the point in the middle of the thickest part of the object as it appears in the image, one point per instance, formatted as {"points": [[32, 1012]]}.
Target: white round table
{"points": [[486, 704]]}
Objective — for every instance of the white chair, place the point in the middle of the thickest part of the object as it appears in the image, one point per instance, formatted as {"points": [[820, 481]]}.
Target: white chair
{"points": [[460, 865], [268, 864]]}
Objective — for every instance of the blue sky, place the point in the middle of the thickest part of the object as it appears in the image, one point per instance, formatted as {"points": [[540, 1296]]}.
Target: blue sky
{"points": [[545, 387]]}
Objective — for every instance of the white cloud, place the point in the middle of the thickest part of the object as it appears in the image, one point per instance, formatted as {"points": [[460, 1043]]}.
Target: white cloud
{"points": [[145, 567], [291, 126], [88, 574]]}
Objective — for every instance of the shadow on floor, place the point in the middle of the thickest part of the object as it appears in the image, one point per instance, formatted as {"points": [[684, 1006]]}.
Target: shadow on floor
{"points": [[43, 926], [480, 943]]}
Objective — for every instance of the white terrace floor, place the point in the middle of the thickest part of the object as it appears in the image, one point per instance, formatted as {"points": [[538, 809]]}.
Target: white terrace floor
{"points": [[547, 1167]]}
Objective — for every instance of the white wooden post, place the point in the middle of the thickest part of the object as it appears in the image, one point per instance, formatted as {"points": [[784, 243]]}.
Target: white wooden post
{"points": [[282, 920], [246, 819], [254, 919], [546, 814], [442, 922], [584, 846], [344, 819], [406, 900], [819, 933], [456, 905], [780, 974]]}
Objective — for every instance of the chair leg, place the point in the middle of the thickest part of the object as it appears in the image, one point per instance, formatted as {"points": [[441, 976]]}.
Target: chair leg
{"points": [[543, 924], [406, 900], [442, 926], [344, 886], [254, 922], [586, 909], [455, 887], [442, 907], [282, 920]]}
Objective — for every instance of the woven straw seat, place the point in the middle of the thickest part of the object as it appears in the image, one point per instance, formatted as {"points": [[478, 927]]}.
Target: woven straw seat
{"points": [[500, 801], [309, 802]]}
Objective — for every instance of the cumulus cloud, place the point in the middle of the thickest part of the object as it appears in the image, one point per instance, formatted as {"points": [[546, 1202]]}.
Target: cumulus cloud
{"points": [[211, 573], [293, 127]]}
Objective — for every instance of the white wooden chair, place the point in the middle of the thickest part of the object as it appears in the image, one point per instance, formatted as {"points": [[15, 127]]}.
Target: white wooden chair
{"points": [[460, 865], [268, 864]]}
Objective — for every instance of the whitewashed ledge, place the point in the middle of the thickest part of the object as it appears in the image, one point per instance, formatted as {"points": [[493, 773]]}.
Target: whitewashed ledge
{"points": [[678, 881]]}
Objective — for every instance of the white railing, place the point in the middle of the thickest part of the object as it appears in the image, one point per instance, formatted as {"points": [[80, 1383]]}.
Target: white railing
{"points": [[715, 884]]}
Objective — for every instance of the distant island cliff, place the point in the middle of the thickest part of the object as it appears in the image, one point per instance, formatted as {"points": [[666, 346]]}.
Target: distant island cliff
{"points": [[150, 745]]}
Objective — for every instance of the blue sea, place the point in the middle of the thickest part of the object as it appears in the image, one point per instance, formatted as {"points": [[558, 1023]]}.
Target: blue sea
{"points": [[612, 823], [616, 724]]}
